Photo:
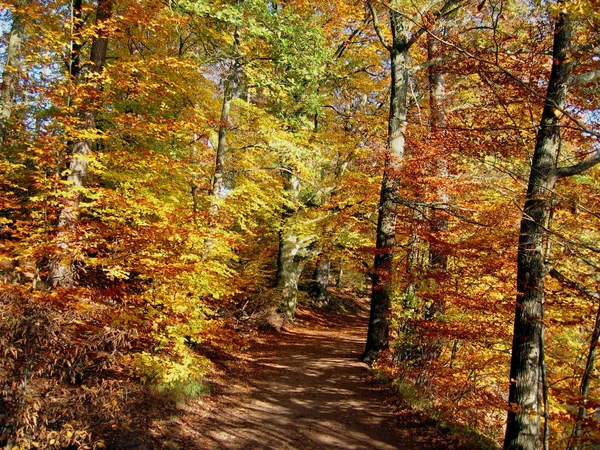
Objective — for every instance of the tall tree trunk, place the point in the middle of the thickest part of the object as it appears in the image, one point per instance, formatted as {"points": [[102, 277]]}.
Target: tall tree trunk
{"points": [[588, 371], [218, 182], [76, 39], [320, 286], [228, 90], [218, 185], [523, 428], [289, 258], [63, 269], [438, 255], [10, 75], [584, 387], [378, 333]]}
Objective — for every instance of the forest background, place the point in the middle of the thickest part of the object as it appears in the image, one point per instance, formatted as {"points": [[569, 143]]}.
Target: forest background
{"points": [[171, 169]]}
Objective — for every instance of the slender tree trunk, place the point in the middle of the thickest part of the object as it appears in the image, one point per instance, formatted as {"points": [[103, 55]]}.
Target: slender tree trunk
{"points": [[228, 90], [76, 41], [523, 428], [438, 255], [584, 387], [431, 349], [218, 182], [10, 73], [63, 270], [218, 185], [378, 333]]}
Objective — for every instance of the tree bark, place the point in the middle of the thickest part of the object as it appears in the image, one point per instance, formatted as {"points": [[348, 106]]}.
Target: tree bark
{"points": [[378, 333], [289, 259], [63, 272], [402, 40], [10, 73], [339, 272], [438, 255], [289, 268], [218, 182], [228, 91], [321, 280], [218, 185], [523, 428]]}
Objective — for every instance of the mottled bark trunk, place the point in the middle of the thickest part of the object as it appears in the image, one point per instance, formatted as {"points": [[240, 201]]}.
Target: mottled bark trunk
{"points": [[523, 428], [289, 260], [228, 90], [378, 333], [10, 73], [218, 181], [289, 268], [320, 286], [63, 269]]}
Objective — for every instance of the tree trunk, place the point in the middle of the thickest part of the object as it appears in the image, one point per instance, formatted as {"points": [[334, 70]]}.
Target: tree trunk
{"points": [[218, 185], [377, 337], [10, 75], [584, 387], [63, 269], [339, 272], [438, 256], [289, 268], [321, 281], [218, 182], [289, 260], [523, 428], [228, 90]]}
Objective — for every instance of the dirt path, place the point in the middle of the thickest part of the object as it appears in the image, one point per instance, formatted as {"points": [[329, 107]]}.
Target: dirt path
{"points": [[302, 389]]}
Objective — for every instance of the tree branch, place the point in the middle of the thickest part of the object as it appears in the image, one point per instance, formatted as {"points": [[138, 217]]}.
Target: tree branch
{"points": [[563, 172], [580, 125], [572, 284], [382, 39], [584, 78], [449, 7]]}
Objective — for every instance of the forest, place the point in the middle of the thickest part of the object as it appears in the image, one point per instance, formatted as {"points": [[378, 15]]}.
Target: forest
{"points": [[176, 172]]}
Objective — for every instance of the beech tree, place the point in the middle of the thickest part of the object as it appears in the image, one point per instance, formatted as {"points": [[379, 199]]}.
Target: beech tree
{"points": [[404, 34], [81, 149], [285, 135], [523, 428], [11, 67]]}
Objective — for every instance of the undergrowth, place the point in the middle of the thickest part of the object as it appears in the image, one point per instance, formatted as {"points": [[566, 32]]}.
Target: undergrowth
{"points": [[466, 437]]}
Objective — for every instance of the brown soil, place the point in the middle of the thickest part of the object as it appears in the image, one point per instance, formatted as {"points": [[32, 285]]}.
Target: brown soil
{"points": [[304, 388]]}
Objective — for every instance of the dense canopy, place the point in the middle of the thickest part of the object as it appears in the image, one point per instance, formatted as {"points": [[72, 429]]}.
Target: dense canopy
{"points": [[171, 169]]}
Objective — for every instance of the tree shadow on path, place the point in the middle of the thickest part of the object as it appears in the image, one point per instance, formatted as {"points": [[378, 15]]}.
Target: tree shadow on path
{"points": [[302, 389]]}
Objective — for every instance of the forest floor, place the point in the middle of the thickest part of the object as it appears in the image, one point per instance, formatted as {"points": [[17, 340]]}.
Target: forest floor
{"points": [[303, 388]]}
